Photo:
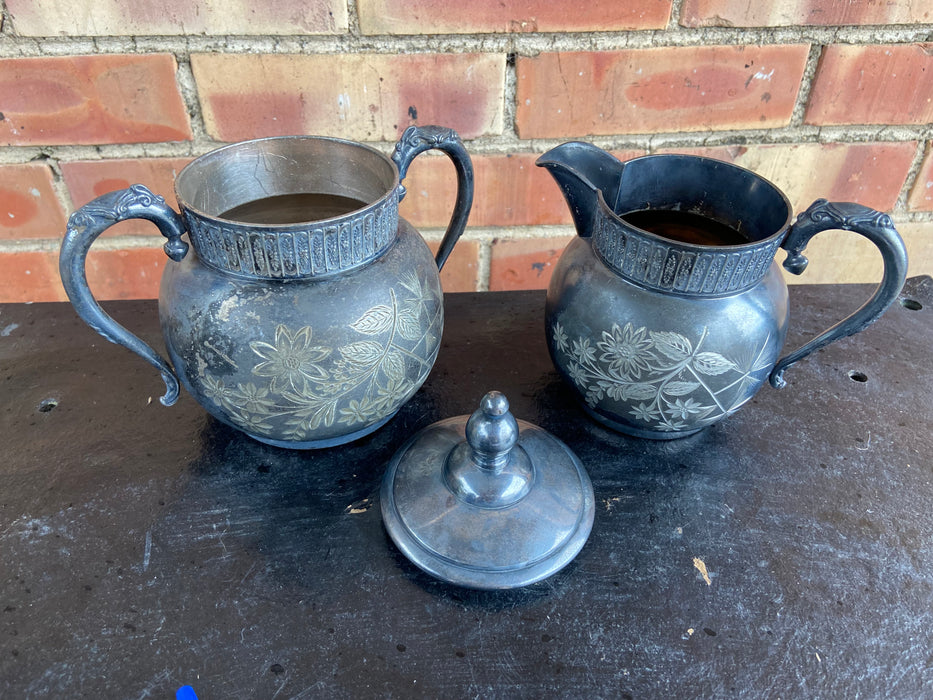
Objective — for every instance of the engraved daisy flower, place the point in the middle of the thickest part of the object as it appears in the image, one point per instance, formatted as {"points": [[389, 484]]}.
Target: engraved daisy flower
{"points": [[560, 337], [577, 374], [291, 361], [214, 389], [627, 350], [685, 409], [582, 350], [357, 411], [251, 422], [645, 413], [250, 398]]}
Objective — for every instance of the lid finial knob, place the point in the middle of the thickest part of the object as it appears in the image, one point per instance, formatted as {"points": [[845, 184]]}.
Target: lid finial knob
{"points": [[489, 469], [492, 432]]}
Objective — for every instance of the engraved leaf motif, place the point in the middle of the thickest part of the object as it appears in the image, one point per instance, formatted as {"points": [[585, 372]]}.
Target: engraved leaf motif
{"points": [[712, 363], [407, 324], [594, 395], [376, 320], [413, 284], [394, 366], [294, 430], [364, 352], [363, 380], [680, 388], [762, 362], [613, 390], [673, 345], [324, 414], [640, 391]]}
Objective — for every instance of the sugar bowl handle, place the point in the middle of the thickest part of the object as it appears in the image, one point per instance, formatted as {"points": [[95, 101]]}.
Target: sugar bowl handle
{"points": [[417, 140], [84, 226], [876, 227]]}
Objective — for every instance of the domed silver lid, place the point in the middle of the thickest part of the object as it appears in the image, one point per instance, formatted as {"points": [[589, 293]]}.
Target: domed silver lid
{"points": [[487, 501]]}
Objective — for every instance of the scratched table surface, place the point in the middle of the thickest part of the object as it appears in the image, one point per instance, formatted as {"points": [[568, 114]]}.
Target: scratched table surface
{"points": [[787, 552]]}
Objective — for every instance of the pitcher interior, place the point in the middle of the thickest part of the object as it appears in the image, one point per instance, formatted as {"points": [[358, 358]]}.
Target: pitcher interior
{"points": [[308, 178], [728, 194]]}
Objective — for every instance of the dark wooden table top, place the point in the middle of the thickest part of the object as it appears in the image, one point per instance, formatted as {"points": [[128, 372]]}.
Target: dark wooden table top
{"points": [[787, 552]]}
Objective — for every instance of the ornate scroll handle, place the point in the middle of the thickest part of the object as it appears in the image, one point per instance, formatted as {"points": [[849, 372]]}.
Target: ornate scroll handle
{"points": [[417, 140], [876, 227], [84, 226]]}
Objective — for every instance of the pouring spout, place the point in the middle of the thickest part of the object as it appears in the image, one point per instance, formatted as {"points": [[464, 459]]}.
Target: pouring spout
{"points": [[583, 171]]}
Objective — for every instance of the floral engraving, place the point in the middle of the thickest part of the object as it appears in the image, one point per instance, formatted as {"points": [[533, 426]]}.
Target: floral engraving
{"points": [[661, 378], [291, 361], [302, 385]]}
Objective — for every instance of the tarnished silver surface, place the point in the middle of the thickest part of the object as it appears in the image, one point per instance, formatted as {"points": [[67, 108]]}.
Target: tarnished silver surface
{"points": [[302, 333], [486, 501], [661, 338]]}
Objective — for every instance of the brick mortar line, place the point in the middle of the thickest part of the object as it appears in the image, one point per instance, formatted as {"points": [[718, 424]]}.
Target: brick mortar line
{"points": [[677, 10], [510, 100], [7, 22], [507, 144], [523, 44], [59, 187], [187, 88], [912, 174], [353, 19], [806, 84], [483, 265]]}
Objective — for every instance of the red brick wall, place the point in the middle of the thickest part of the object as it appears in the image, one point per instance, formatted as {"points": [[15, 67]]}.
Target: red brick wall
{"points": [[825, 98]]}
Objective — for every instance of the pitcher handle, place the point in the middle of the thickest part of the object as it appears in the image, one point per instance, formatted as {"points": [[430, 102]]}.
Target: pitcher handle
{"points": [[84, 226], [876, 227], [417, 140]]}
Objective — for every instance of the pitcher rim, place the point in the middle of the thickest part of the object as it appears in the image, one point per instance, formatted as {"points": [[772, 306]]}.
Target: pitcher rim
{"points": [[780, 232]]}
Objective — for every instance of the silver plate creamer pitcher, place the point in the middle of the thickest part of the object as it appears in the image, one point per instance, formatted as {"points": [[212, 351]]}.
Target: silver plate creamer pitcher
{"points": [[668, 312], [306, 312]]}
